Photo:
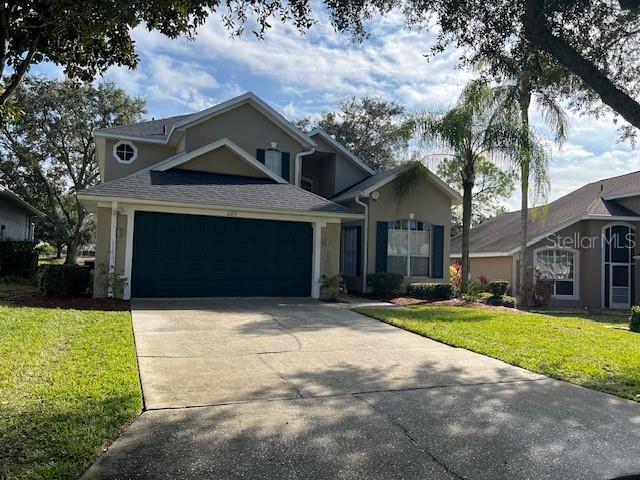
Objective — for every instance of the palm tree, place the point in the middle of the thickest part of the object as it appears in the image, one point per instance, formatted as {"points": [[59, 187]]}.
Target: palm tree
{"points": [[472, 131], [514, 101]]}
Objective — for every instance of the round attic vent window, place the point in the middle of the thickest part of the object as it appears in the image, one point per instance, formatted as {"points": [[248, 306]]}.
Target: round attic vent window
{"points": [[125, 152]]}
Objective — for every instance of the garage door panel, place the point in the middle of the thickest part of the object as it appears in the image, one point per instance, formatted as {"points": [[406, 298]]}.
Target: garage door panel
{"points": [[191, 255]]}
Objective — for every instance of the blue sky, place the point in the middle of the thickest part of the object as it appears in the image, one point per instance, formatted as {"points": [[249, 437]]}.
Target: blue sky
{"points": [[303, 75]]}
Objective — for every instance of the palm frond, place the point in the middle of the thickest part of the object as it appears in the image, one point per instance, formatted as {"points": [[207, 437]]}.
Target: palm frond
{"points": [[413, 175], [554, 117]]}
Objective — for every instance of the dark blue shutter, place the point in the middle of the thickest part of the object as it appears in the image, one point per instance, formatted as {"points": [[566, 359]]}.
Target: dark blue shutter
{"points": [[285, 165], [260, 155], [382, 233], [437, 260]]}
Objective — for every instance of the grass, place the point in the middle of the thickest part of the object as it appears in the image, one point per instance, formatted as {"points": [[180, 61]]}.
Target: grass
{"points": [[68, 385], [573, 348]]}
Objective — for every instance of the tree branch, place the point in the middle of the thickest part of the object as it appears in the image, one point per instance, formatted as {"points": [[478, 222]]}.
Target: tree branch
{"points": [[20, 72], [537, 32]]}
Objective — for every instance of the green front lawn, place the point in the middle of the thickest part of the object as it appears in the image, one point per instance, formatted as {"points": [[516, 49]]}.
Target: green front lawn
{"points": [[572, 348], [68, 385]]}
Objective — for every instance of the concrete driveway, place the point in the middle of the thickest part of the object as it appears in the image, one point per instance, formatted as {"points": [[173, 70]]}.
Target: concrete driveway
{"points": [[284, 389]]}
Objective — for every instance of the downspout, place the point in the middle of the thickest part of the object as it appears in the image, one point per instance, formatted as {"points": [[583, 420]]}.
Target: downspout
{"points": [[366, 241], [298, 165]]}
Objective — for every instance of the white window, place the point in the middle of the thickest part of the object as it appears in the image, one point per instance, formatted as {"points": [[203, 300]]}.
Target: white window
{"points": [[350, 251], [273, 161], [125, 152], [409, 248], [558, 267]]}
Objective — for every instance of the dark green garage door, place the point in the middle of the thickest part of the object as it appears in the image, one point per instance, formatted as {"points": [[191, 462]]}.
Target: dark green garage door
{"points": [[200, 256]]}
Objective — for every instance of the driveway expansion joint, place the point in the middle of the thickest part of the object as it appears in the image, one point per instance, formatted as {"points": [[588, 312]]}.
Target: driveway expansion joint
{"points": [[411, 439]]}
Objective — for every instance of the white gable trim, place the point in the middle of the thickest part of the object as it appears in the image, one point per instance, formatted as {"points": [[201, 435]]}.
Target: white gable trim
{"points": [[195, 118], [342, 149], [455, 196], [184, 157]]}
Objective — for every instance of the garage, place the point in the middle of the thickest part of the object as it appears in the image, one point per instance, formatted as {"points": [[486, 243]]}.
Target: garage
{"points": [[176, 255]]}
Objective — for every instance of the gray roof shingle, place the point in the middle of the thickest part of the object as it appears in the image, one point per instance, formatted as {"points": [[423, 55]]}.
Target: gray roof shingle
{"points": [[502, 233], [151, 129], [185, 186]]}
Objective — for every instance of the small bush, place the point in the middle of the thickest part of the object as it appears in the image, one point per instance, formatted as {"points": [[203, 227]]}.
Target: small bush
{"points": [[484, 281], [430, 291], [384, 284], [634, 320], [475, 289], [45, 249], [503, 301], [542, 292], [333, 287], [18, 258], [498, 288], [64, 280]]}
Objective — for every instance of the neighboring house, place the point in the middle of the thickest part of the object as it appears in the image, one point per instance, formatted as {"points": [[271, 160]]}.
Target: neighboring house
{"points": [[583, 243], [236, 201], [16, 216]]}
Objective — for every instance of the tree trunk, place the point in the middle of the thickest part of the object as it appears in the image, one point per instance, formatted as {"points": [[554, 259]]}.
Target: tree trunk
{"points": [[525, 164], [72, 251], [467, 188], [59, 250]]}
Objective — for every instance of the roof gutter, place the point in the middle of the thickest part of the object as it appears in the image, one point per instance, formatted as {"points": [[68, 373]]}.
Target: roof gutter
{"points": [[297, 165], [366, 240]]}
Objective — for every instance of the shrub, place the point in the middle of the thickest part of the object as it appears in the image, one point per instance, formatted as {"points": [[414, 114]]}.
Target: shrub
{"points": [[502, 301], [542, 292], [430, 291], [455, 278], [18, 258], [64, 280], [114, 282], [634, 320], [484, 281], [384, 284], [45, 249], [333, 287], [475, 289], [498, 287]]}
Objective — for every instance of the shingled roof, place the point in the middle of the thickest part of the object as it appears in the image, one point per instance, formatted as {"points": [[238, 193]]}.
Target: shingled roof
{"points": [[151, 129], [597, 199], [201, 188]]}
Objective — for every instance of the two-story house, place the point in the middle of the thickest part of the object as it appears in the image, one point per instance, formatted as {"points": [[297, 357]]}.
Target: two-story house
{"points": [[236, 201]]}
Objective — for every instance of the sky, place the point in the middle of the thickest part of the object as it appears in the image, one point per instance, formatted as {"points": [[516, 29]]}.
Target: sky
{"points": [[306, 74]]}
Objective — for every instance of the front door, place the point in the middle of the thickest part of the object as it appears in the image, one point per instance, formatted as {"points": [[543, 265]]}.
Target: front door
{"points": [[620, 288]]}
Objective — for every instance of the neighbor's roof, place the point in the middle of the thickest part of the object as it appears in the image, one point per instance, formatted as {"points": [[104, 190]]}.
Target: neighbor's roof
{"points": [[595, 200], [212, 189], [368, 185], [161, 131], [17, 200]]}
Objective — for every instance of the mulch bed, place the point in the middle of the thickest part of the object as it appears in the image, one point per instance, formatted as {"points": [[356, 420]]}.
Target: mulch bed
{"points": [[33, 298], [454, 302]]}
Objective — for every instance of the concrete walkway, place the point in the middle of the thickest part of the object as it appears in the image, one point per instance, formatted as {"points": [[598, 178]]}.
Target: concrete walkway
{"points": [[281, 388]]}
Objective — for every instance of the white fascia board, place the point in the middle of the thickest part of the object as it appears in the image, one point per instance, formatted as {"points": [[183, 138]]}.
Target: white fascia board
{"points": [[342, 149], [184, 157], [222, 210], [482, 255], [211, 112]]}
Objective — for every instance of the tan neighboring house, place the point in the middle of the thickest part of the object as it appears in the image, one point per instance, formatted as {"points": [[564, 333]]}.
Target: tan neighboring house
{"points": [[583, 243], [16, 216], [236, 201]]}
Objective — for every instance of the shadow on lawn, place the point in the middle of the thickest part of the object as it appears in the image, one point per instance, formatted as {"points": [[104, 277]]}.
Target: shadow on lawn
{"points": [[46, 441], [529, 429]]}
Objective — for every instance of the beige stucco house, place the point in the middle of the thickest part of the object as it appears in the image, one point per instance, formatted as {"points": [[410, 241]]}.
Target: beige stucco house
{"points": [[583, 243], [236, 201]]}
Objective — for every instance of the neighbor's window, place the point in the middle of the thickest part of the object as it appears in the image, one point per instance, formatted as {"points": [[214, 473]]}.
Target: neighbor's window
{"points": [[350, 251], [558, 268], [273, 161], [408, 248], [125, 152]]}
